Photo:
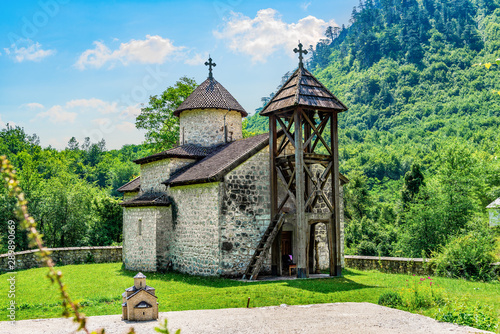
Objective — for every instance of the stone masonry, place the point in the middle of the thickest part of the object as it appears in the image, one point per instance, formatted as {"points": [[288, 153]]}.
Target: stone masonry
{"points": [[205, 127], [140, 232], [154, 173], [244, 213], [194, 246], [64, 256]]}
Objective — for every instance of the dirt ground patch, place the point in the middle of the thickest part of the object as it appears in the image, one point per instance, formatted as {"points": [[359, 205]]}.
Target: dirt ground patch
{"points": [[317, 318]]}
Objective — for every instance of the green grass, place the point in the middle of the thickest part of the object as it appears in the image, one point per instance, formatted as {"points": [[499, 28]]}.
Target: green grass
{"points": [[98, 287]]}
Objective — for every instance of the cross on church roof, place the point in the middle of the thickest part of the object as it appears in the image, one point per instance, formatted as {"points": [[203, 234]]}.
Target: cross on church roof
{"points": [[210, 64], [300, 52]]}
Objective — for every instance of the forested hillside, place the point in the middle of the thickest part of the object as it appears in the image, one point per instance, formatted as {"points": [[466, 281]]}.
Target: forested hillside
{"points": [[420, 106], [69, 192]]}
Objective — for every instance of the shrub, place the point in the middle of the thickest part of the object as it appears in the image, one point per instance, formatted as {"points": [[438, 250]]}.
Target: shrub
{"points": [[477, 316], [467, 256], [390, 299]]}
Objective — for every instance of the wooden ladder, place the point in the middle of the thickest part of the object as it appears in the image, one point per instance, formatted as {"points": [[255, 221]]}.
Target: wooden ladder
{"points": [[263, 248]]}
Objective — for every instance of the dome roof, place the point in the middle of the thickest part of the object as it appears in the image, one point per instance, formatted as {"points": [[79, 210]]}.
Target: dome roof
{"points": [[210, 94]]}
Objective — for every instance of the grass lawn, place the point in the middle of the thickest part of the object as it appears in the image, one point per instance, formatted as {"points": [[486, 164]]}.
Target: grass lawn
{"points": [[98, 287]]}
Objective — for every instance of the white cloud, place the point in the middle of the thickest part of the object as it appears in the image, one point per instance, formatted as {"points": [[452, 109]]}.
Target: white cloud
{"points": [[305, 5], [57, 114], [266, 33], [102, 121], [31, 51], [33, 106], [2, 124], [126, 127], [131, 112], [197, 59], [152, 50], [102, 106]]}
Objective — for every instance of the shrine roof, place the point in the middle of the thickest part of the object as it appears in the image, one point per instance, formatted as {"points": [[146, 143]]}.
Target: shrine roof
{"points": [[210, 95]]}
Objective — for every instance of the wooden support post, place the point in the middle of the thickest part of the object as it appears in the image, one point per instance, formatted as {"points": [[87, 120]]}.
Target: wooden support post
{"points": [[307, 149], [273, 148], [302, 230], [336, 269]]}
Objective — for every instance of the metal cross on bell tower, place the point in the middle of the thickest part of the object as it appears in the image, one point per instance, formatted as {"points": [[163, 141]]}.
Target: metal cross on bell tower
{"points": [[300, 51], [210, 64]]}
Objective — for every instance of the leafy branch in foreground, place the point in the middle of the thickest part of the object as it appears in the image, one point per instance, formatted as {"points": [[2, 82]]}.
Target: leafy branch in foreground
{"points": [[27, 222]]}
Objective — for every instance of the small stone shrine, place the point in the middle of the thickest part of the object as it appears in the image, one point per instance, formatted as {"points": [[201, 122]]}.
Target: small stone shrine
{"points": [[139, 301], [219, 204]]}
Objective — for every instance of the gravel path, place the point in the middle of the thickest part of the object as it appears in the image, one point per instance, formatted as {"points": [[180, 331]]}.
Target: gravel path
{"points": [[317, 318]]}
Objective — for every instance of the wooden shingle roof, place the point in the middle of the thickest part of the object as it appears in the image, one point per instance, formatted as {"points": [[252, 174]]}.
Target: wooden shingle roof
{"points": [[210, 94], [131, 186], [303, 89], [216, 165], [147, 199], [187, 151]]}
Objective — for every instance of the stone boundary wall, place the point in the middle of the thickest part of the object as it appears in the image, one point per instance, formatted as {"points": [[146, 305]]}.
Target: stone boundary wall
{"points": [[107, 254], [63, 256], [394, 265]]}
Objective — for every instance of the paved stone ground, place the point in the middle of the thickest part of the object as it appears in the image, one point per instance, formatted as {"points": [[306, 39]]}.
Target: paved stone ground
{"points": [[317, 318]]}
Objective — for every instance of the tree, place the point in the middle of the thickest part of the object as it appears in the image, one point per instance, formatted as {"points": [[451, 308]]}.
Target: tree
{"points": [[414, 179], [73, 144], [329, 33], [157, 118]]}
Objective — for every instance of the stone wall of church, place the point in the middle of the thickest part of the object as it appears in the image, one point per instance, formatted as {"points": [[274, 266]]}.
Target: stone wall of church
{"points": [[245, 213], [154, 173], [140, 236], [205, 127], [194, 243]]}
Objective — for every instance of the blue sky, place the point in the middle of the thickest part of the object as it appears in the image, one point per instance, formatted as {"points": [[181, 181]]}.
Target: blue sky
{"points": [[83, 68]]}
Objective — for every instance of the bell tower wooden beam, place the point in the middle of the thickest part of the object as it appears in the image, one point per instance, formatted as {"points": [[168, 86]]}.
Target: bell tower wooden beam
{"points": [[276, 266], [301, 226], [335, 260]]}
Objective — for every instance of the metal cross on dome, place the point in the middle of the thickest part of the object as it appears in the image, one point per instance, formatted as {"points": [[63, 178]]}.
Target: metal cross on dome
{"points": [[300, 51], [210, 64]]}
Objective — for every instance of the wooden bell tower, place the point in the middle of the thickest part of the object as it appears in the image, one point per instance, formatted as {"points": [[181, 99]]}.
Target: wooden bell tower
{"points": [[303, 116]]}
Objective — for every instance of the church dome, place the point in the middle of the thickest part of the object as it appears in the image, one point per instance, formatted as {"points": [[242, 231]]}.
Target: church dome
{"points": [[210, 95]]}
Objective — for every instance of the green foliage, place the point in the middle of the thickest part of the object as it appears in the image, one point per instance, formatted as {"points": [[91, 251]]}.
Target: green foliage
{"points": [[477, 316], [164, 329], [413, 180], [467, 256], [390, 299], [157, 118], [70, 193]]}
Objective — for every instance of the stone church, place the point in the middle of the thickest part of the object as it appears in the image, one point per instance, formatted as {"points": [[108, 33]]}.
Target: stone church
{"points": [[202, 207]]}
